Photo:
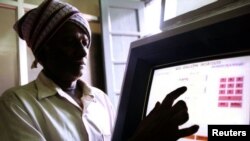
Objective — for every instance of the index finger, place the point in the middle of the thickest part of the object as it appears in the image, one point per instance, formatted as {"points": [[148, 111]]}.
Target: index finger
{"points": [[187, 131], [169, 99]]}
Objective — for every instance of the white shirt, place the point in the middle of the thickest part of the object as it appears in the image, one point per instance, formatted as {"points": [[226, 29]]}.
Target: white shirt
{"points": [[43, 111]]}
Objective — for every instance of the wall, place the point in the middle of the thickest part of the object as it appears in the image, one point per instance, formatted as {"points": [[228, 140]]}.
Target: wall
{"points": [[8, 50]]}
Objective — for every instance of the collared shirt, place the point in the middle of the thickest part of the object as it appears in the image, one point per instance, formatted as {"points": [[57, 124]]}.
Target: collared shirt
{"points": [[42, 111]]}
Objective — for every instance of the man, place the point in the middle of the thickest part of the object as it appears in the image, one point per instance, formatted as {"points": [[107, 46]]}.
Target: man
{"points": [[58, 105]]}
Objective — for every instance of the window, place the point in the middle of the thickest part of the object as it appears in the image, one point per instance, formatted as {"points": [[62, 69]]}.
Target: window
{"points": [[176, 13], [152, 17]]}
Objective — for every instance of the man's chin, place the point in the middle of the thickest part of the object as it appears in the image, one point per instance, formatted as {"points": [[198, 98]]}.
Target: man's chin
{"points": [[76, 76]]}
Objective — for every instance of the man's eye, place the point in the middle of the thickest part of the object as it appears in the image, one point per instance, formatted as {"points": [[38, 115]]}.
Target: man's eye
{"points": [[84, 42]]}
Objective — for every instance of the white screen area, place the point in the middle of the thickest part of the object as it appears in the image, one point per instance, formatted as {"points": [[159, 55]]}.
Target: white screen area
{"points": [[218, 91]]}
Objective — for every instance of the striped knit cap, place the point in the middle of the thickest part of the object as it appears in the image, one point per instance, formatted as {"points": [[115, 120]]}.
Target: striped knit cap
{"points": [[38, 25]]}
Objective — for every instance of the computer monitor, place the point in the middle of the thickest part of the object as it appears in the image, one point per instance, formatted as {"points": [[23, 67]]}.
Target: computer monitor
{"points": [[213, 61]]}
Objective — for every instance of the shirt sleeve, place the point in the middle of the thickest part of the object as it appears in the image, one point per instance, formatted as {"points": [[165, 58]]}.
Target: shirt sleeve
{"points": [[15, 122]]}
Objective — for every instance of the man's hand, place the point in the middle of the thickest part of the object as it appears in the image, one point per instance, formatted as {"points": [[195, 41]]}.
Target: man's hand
{"points": [[162, 123]]}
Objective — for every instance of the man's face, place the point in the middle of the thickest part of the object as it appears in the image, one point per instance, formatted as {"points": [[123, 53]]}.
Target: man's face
{"points": [[65, 54]]}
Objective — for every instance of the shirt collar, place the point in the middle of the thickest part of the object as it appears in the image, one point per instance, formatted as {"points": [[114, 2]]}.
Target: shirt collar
{"points": [[46, 87]]}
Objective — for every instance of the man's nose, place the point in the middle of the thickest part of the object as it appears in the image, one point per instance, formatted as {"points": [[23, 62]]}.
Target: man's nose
{"points": [[81, 50]]}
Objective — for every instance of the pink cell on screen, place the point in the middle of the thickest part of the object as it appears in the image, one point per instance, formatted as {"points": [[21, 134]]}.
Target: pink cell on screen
{"points": [[222, 85], [236, 104], [240, 78], [223, 104], [223, 80], [230, 91], [231, 79], [239, 85], [230, 85], [222, 92], [230, 98], [238, 91]]}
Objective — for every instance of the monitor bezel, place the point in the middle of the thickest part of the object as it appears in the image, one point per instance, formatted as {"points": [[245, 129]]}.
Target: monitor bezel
{"points": [[147, 53]]}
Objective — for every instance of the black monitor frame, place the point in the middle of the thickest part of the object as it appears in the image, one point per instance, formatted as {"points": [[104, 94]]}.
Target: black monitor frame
{"points": [[228, 37]]}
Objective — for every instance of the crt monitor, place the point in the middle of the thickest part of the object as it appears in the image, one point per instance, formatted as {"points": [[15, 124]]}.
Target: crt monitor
{"points": [[213, 61]]}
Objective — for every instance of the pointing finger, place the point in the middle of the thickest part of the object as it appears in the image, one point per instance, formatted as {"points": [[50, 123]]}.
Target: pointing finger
{"points": [[169, 99], [188, 131]]}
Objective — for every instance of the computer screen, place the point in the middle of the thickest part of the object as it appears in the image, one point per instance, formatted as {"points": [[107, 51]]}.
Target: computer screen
{"points": [[216, 90]]}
